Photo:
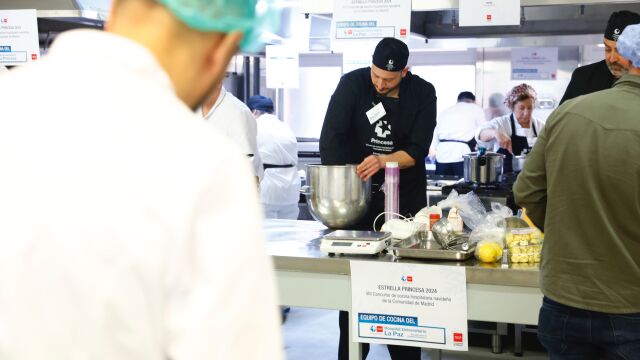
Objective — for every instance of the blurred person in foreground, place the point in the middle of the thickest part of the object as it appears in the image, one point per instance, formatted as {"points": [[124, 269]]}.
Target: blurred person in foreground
{"points": [[580, 185], [113, 220], [278, 148], [602, 74], [454, 135]]}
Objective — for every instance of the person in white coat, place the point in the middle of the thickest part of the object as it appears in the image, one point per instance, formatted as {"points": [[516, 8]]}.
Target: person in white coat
{"points": [[278, 147], [116, 199], [514, 133], [454, 135], [233, 118]]}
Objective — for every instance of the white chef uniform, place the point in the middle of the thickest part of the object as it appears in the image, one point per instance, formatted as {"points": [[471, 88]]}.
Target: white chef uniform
{"points": [[234, 119], [280, 186], [116, 203]]}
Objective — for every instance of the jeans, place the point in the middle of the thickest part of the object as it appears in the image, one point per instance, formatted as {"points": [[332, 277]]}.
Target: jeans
{"points": [[570, 333]]}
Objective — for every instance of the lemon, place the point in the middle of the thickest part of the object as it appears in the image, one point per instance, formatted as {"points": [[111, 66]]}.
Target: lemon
{"points": [[487, 253], [498, 249]]}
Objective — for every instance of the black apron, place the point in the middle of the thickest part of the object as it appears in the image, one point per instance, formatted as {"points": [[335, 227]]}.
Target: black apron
{"points": [[273, 166], [518, 145]]}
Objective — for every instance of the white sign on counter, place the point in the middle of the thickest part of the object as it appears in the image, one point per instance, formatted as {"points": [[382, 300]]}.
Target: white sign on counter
{"points": [[534, 63], [409, 304], [18, 37], [369, 20], [489, 12], [282, 64]]}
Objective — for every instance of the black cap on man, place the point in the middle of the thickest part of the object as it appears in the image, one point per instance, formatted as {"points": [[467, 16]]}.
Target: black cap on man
{"points": [[391, 55], [618, 21]]}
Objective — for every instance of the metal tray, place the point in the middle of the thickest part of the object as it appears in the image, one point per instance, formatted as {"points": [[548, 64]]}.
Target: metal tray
{"points": [[413, 248]]}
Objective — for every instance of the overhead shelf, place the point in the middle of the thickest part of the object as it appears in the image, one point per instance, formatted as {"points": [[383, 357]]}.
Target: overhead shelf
{"points": [[326, 6]]}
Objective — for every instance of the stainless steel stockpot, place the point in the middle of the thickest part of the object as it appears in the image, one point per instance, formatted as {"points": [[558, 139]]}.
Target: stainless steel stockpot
{"points": [[483, 169]]}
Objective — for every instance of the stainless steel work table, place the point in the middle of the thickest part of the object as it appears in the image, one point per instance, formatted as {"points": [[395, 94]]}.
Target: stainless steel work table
{"points": [[307, 277]]}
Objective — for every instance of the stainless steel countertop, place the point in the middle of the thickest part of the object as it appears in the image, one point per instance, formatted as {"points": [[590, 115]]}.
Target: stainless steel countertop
{"points": [[295, 246]]}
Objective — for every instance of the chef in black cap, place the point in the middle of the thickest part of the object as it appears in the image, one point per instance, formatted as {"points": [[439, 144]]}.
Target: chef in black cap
{"points": [[601, 75], [376, 115]]}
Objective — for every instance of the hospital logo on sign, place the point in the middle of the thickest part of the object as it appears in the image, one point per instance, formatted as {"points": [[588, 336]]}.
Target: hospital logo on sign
{"points": [[406, 278], [458, 339]]}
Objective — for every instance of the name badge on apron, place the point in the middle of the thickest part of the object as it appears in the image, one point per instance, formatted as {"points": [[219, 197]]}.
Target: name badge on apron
{"points": [[376, 113]]}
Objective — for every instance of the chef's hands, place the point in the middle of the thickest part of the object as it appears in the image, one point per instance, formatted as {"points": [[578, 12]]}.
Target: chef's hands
{"points": [[504, 140], [369, 166]]}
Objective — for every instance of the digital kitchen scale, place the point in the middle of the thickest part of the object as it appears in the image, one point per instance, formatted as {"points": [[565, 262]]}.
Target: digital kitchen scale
{"points": [[355, 242]]}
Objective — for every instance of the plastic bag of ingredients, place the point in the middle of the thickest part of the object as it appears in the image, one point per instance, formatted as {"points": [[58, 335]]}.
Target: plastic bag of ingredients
{"points": [[471, 209], [489, 236], [489, 241], [498, 213]]}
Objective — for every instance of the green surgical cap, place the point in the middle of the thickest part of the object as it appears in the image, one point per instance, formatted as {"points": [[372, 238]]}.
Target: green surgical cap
{"points": [[251, 17]]}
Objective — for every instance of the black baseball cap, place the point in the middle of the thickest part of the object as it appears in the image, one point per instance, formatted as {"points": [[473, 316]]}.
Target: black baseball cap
{"points": [[391, 54], [618, 21]]}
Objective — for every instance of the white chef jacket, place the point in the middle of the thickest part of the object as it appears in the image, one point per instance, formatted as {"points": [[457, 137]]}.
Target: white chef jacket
{"points": [[234, 119], [459, 122], [278, 146], [504, 123], [116, 202]]}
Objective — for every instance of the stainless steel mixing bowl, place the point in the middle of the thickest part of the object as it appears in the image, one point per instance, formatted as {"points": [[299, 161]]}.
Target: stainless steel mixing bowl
{"points": [[336, 196]]}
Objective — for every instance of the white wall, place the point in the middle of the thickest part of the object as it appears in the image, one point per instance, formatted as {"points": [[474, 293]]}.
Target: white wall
{"points": [[449, 81], [305, 107]]}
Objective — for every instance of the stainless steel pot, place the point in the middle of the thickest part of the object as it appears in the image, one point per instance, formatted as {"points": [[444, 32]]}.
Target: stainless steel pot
{"points": [[336, 196], [483, 169], [518, 162]]}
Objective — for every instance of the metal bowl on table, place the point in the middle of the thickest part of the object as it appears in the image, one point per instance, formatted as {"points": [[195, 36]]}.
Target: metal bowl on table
{"points": [[444, 235], [336, 195]]}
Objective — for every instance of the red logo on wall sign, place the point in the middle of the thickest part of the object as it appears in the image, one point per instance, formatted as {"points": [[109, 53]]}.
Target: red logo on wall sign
{"points": [[34, 56], [488, 17], [403, 32], [3, 20], [457, 337], [379, 328], [409, 278]]}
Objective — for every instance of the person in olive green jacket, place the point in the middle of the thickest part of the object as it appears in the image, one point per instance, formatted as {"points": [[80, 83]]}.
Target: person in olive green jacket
{"points": [[581, 184]]}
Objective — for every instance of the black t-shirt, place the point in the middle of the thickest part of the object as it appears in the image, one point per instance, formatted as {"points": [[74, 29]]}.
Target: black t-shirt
{"points": [[588, 79], [348, 136]]}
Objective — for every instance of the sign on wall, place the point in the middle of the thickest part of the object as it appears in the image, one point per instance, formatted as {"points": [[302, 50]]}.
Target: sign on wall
{"points": [[18, 37], [282, 64], [489, 12], [409, 304], [534, 63], [369, 21]]}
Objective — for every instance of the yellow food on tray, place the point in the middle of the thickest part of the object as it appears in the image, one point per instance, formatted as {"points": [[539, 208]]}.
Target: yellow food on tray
{"points": [[525, 245]]}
